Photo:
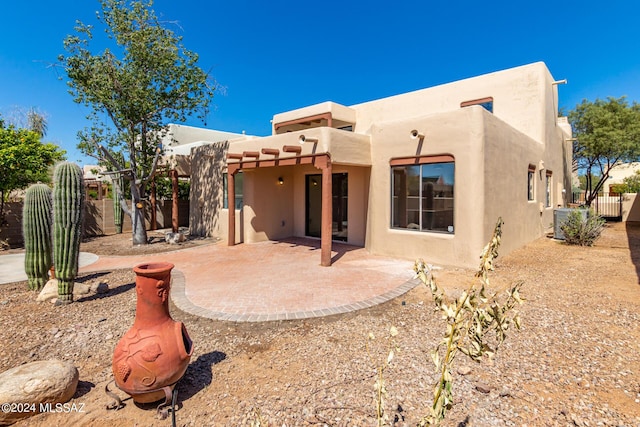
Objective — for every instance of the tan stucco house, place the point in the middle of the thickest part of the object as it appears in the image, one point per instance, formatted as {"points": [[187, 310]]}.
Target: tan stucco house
{"points": [[421, 174]]}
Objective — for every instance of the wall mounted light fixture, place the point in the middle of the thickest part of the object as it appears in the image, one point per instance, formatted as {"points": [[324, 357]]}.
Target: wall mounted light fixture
{"points": [[416, 135], [280, 180], [302, 139]]}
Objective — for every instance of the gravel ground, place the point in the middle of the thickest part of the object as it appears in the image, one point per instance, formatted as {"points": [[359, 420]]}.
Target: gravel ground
{"points": [[576, 361]]}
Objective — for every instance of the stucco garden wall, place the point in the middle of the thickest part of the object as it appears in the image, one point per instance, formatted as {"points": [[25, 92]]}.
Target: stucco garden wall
{"points": [[207, 164], [631, 207]]}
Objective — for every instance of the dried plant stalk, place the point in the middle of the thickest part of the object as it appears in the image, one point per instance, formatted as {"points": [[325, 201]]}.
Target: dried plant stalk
{"points": [[469, 319]]}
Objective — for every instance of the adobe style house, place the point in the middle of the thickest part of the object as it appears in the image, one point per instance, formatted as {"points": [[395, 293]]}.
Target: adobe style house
{"points": [[422, 174]]}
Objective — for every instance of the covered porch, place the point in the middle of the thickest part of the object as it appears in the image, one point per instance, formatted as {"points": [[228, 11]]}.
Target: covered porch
{"points": [[287, 177]]}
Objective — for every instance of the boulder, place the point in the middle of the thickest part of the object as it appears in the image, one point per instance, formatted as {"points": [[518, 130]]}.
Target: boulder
{"points": [[100, 288], [45, 381], [174, 238], [50, 290]]}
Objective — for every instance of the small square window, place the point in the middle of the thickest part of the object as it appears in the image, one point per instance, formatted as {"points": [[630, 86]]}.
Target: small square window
{"points": [[548, 185], [531, 181]]}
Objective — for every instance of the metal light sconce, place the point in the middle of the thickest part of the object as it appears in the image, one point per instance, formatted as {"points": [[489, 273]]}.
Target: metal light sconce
{"points": [[280, 180], [302, 139], [416, 135]]}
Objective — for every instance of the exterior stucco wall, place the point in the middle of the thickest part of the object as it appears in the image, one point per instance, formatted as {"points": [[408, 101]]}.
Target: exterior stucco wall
{"points": [[272, 211], [345, 147], [358, 189], [508, 154], [268, 207], [492, 154], [182, 134], [521, 97], [491, 175], [460, 134]]}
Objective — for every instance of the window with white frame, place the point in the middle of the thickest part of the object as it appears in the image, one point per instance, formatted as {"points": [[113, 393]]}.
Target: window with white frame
{"points": [[531, 175], [422, 196], [548, 185]]}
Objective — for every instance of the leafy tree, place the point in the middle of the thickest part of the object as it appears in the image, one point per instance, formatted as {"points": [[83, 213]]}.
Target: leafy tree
{"points": [[134, 91], [24, 160], [606, 133], [630, 184], [164, 189]]}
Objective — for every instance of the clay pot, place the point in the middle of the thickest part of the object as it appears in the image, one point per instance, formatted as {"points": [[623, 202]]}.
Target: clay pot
{"points": [[154, 354]]}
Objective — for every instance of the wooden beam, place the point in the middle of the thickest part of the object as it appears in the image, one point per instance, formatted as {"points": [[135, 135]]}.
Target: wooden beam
{"points": [[302, 120], [421, 160], [292, 149], [318, 160], [253, 154]]}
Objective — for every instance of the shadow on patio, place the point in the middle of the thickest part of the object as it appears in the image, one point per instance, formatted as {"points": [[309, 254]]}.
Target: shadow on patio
{"points": [[340, 249]]}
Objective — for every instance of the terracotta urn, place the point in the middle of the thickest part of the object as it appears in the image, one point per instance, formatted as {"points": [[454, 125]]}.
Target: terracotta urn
{"points": [[154, 354]]}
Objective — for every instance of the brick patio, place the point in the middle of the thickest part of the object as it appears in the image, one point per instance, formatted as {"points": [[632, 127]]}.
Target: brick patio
{"points": [[275, 280]]}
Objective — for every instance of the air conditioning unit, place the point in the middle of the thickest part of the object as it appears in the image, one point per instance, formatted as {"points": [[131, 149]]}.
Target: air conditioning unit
{"points": [[560, 215]]}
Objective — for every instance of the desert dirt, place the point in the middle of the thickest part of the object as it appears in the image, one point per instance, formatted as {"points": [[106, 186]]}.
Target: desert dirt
{"points": [[575, 362]]}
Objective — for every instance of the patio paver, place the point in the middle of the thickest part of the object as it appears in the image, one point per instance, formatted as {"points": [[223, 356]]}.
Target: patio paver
{"points": [[275, 280]]}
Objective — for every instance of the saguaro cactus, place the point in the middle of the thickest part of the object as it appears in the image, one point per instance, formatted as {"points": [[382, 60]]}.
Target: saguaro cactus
{"points": [[68, 207], [36, 229], [118, 213]]}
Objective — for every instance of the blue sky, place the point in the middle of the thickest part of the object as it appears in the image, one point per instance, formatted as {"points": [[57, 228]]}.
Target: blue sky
{"points": [[274, 56]]}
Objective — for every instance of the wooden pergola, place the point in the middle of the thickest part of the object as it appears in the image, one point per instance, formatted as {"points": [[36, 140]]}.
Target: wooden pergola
{"points": [[252, 160]]}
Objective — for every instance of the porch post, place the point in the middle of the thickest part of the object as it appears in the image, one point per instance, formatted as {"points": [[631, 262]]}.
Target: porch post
{"points": [[231, 204], [174, 207], [327, 209]]}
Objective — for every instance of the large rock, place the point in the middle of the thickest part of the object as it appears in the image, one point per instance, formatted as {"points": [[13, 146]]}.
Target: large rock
{"points": [[174, 238], [46, 381], [50, 290]]}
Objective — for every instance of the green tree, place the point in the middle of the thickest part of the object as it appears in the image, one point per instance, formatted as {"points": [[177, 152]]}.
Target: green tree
{"points": [[134, 91], [24, 160], [583, 179], [606, 133], [630, 184]]}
